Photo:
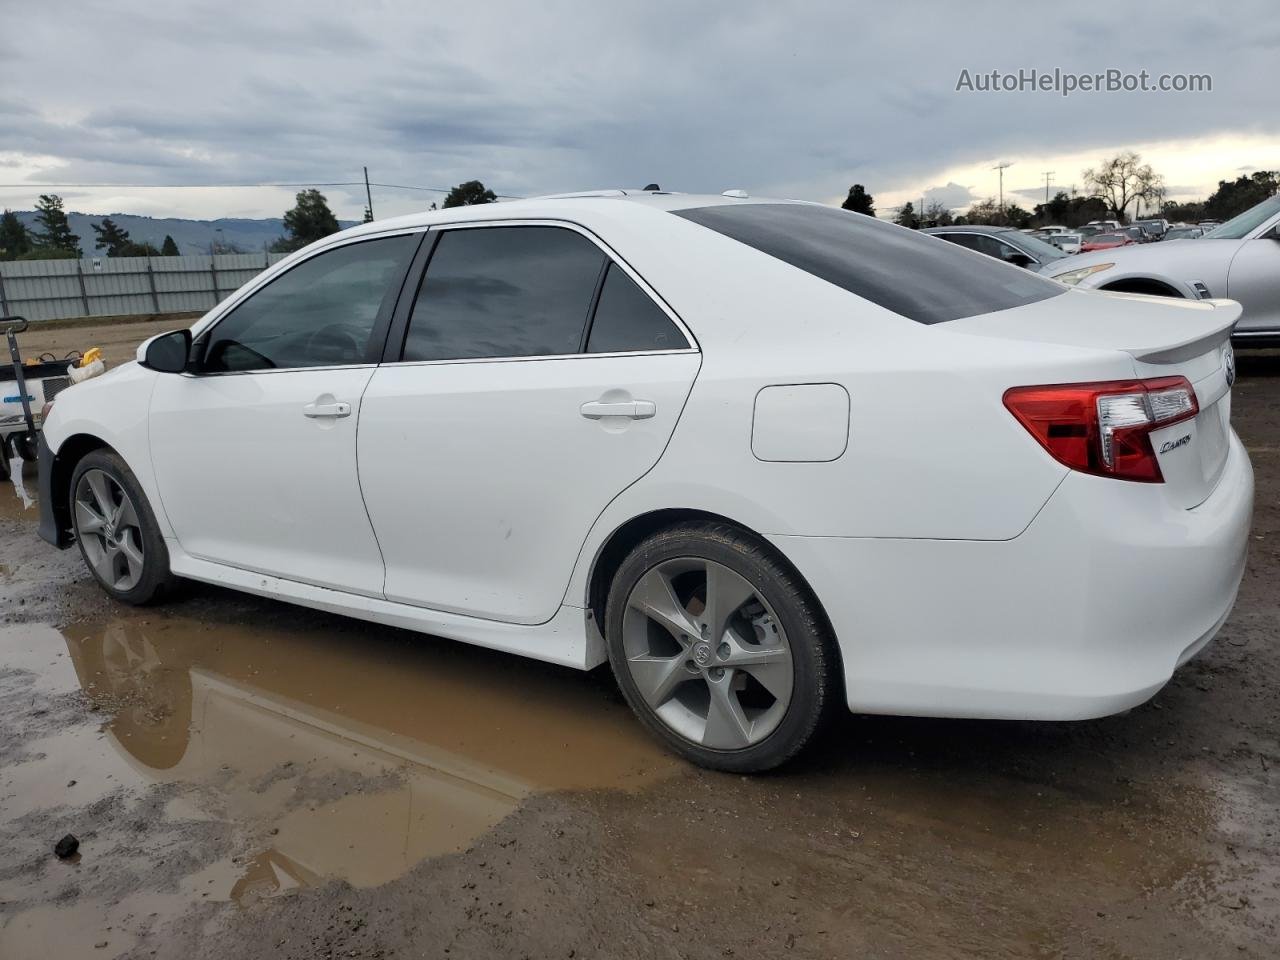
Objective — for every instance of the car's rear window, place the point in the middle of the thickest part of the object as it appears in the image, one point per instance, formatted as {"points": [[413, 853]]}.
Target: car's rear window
{"points": [[920, 277]]}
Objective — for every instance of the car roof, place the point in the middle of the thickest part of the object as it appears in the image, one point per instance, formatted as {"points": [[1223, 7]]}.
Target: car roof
{"points": [[556, 206], [965, 228]]}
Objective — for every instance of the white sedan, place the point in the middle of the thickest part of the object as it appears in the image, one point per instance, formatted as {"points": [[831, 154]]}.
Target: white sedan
{"points": [[763, 457], [1239, 259]]}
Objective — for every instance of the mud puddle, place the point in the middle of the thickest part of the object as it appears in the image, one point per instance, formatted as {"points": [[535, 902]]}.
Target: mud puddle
{"points": [[232, 763]]}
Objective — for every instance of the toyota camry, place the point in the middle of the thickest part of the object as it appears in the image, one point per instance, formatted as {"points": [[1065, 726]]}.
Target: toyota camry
{"points": [[765, 458]]}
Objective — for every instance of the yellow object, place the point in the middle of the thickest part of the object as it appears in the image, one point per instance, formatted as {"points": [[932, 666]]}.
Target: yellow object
{"points": [[90, 355]]}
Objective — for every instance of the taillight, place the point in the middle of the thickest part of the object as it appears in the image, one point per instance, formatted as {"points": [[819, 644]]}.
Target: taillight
{"points": [[1104, 428]]}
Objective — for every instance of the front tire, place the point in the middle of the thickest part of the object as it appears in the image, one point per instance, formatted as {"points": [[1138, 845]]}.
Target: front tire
{"points": [[719, 647], [117, 532]]}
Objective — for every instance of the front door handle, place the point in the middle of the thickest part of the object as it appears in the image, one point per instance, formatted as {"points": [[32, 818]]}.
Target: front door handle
{"points": [[335, 409], [631, 409]]}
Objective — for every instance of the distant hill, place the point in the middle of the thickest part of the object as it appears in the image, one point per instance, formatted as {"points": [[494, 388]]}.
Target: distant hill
{"points": [[191, 236]]}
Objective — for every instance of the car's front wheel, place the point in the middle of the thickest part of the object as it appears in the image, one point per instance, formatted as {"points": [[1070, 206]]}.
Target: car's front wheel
{"points": [[719, 648], [116, 530]]}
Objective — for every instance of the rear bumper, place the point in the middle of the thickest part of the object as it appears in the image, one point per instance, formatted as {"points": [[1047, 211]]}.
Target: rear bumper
{"points": [[1086, 613]]}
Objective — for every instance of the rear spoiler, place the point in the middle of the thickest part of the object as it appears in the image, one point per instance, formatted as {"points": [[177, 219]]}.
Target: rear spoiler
{"points": [[1225, 314]]}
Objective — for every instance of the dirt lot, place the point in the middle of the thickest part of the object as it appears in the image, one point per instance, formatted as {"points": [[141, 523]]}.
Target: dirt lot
{"points": [[249, 779]]}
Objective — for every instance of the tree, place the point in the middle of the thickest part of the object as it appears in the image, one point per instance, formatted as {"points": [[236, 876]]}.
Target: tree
{"points": [[466, 194], [907, 216], [985, 211], [56, 233], [110, 237], [1124, 180], [859, 201], [1070, 211], [1015, 216], [937, 215], [169, 248], [1236, 196], [309, 220], [14, 239]]}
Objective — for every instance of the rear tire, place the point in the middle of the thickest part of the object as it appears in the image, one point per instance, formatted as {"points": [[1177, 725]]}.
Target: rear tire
{"points": [[117, 532], [719, 647]]}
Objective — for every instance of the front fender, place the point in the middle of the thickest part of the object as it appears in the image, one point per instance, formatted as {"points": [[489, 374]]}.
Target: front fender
{"points": [[113, 409]]}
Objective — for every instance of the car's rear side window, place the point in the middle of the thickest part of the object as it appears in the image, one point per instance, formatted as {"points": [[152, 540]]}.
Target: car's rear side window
{"points": [[912, 274], [627, 319], [520, 291]]}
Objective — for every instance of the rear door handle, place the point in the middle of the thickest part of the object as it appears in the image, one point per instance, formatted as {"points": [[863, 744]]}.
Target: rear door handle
{"points": [[336, 409], [631, 409]]}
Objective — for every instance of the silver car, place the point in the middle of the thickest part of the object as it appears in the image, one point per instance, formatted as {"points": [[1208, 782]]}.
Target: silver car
{"points": [[1239, 259]]}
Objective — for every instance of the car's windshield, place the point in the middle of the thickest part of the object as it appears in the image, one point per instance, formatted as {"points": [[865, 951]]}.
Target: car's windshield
{"points": [[1033, 245], [914, 275], [1181, 233], [1247, 222]]}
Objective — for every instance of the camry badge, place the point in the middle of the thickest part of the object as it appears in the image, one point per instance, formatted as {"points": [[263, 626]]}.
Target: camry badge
{"points": [[1229, 364]]}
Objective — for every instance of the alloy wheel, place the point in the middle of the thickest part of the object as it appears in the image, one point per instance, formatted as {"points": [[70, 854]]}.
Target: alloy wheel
{"points": [[107, 526], [707, 653]]}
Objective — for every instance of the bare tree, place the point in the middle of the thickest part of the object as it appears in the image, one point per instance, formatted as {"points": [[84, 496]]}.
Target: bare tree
{"points": [[937, 214], [1122, 181]]}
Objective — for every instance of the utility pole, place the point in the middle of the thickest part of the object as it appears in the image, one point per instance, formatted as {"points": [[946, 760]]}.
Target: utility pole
{"points": [[1002, 166], [368, 195], [1048, 178]]}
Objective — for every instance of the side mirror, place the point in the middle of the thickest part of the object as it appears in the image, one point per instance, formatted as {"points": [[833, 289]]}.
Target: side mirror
{"points": [[167, 353], [1020, 260]]}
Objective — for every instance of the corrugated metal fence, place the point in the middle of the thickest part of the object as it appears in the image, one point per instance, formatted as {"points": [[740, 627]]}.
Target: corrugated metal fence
{"points": [[115, 286]]}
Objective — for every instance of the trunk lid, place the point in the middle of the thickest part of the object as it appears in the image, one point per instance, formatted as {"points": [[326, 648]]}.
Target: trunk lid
{"points": [[1163, 337]]}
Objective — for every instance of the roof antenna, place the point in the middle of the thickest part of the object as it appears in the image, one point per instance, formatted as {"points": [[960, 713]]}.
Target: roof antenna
{"points": [[652, 188]]}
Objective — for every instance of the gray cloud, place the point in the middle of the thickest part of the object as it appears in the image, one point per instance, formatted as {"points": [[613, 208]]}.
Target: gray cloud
{"points": [[565, 94]]}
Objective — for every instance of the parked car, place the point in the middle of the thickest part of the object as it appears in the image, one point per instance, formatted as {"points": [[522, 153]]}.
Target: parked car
{"points": [[1184, 233], [1156, 227], [1105, 241], [1105, 226], [1002, 243], [1240, 259], [730, 446], [1208, 225], [1137, 234], [1068, 243]]}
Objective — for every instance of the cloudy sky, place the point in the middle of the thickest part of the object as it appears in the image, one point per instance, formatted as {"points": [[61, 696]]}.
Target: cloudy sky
{"points": [[793, 99]]}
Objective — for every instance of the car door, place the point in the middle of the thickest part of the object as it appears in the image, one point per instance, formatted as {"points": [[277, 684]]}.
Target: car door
{"points": [[254, 451], [537, 378], [1254, 279]]}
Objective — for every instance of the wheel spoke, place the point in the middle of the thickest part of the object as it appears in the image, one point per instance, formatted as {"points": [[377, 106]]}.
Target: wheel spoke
{"points": [[727, 725], [126, 516], [656, 599], [105, 565], [658, 677], [87, 519], [101, 489], [726, 593], [132, 556], [770, 666]]}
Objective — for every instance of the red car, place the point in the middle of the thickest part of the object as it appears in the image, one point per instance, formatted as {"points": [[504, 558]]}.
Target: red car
{"points": [[1103, 241]]}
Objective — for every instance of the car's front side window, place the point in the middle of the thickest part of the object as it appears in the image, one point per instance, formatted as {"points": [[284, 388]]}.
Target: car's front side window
{"points": [[320, 313], [504, 291]]}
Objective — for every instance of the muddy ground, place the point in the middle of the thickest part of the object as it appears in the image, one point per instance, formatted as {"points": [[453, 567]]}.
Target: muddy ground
{"points": [[249, 779]]}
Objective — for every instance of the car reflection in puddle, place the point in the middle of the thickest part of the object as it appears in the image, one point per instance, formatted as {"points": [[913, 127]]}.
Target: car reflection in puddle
{"points": [[343, 754]]}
